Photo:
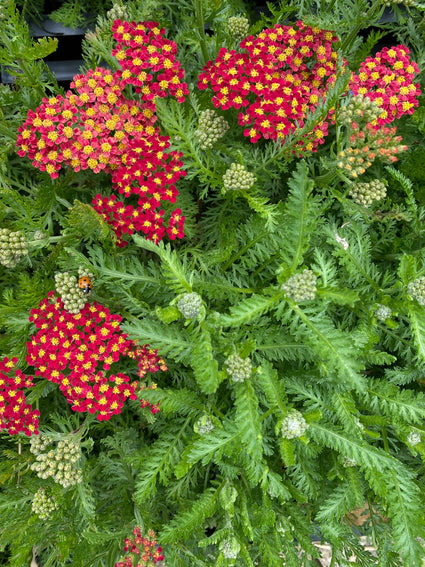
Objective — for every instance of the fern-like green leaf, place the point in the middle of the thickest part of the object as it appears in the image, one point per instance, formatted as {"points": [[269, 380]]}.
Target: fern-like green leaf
{"points": [[158, 464], [248, 419], [191, 521], [204, 365]]}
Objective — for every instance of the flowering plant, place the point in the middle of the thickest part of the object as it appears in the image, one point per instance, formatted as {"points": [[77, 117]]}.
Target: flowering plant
{"points": [[231, 205]]}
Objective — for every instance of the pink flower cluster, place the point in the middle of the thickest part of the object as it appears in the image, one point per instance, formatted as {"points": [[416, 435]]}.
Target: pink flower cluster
{"points": [[284, 74], [98, 128], [76, 351], [15, 414], [141, 551], [387, 79]]}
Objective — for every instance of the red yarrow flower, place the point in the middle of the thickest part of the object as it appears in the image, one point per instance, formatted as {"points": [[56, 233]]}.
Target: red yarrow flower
{"points": [[387, 79], [141, 551], [283, 74], [16, 415], [76, 351]]}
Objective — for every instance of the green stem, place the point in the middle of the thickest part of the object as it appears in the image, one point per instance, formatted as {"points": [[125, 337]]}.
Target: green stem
{"points": [[373, 521], [366, 21], [199, 15]]}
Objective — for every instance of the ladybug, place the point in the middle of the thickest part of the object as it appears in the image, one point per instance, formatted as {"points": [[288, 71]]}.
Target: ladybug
{"points": [[85, 284]]}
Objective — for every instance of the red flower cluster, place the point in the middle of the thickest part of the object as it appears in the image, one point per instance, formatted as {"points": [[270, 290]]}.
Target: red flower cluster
{"points": [[284, 74], [148, 60], [15, 415], [98, 128], [144, 550], [89, 129], [69, 348], [387, 79], [148, 173]]}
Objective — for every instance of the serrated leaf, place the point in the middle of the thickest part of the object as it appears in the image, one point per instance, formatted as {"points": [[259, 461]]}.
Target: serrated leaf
{"points": [[205, 367], [340, 296]]}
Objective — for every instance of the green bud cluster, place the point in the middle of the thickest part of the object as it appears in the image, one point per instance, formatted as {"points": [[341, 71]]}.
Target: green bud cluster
{"points": [[413, 438], [383, 312], [117, 12], [294, 425], [230, 548], [70, 292], [83, 272], [365, 193], [417, 290], [237, 178], [39, 235], [348, 463], [239, 369], [189, 305], [359, 108], [59, 462], [301, 287], [390, 3], [211, 128], [204, 425], [238, 27], [43, 505], [12, 247]]}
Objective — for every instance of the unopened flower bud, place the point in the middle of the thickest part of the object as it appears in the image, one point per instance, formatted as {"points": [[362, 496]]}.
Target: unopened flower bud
{"points": [[211, 128], [365, 193], [189, 305], [301, 287], [383, 313], [294, 425], [237, 178], [230, 548], [204, 425], [416, 290], [238, 27], [239, 369]]}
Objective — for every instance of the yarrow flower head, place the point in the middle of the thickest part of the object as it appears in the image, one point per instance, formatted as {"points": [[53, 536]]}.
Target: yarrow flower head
{"points": [[96, 127], [417, 290], [366, 145], [141, 551], [146, 178], [414, 438], [16, 415], [239, 369], [70, 292], [282, 74], [366, 193], [387, 79], [76, 351], [301, 287], [42, 504], [230, 548], [60, 461], [359, 108], [12, 247], [383, 312], [189, 305], [148, 60], [293, 425], [238, 27], [211, 128], [86, 129], [238, 178], [204, 425]]}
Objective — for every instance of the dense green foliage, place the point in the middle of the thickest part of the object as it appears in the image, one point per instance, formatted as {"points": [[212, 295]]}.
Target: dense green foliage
{"points": [[212, 468]]}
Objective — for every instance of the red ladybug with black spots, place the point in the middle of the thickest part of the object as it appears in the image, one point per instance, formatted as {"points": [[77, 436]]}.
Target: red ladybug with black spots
{"points": [[85, 284]]}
